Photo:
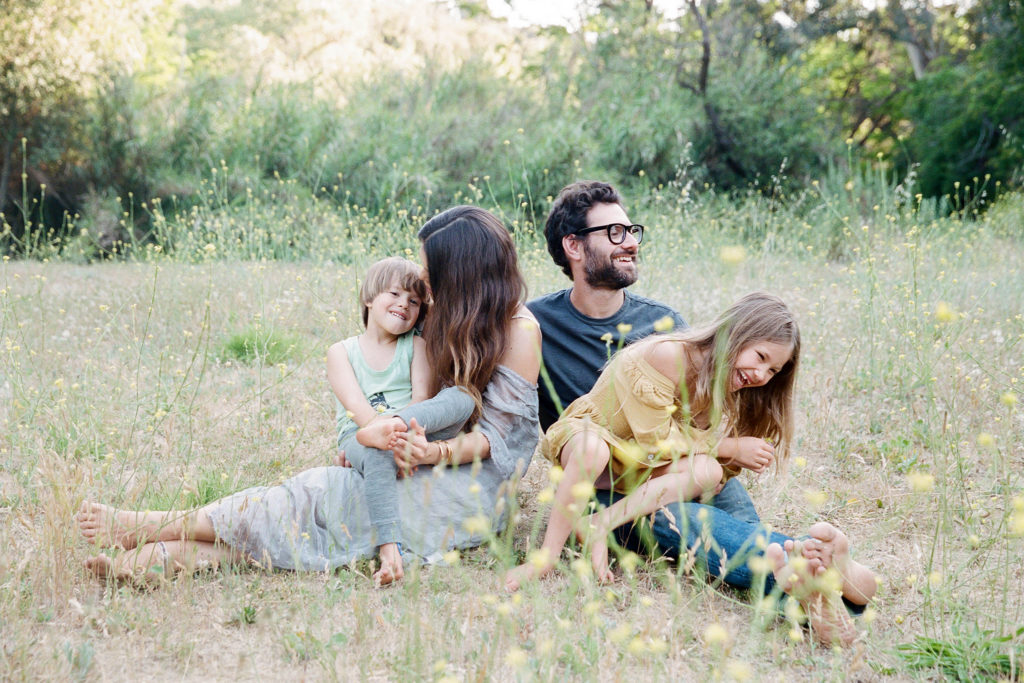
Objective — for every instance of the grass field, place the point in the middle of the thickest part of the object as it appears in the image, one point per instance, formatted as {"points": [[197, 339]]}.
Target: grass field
{"points": [[167, 382]]}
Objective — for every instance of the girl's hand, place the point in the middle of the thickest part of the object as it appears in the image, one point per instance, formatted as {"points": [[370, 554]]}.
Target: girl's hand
{"points": [[410, 448], [749, 452], [340, 460]]}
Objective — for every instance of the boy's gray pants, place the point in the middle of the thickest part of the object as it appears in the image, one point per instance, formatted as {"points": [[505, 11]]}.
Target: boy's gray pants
{"points": [[441, 417]]}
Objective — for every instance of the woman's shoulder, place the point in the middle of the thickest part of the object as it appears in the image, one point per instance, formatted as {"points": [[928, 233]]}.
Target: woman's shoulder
{"points": [[524, 313], [523, 353]]}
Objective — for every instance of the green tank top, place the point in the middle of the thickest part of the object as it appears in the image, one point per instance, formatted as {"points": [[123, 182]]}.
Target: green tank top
{"points": [[387, 390]]}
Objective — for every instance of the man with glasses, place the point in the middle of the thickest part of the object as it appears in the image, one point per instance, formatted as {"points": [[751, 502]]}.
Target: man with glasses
{"points": [[592, 239], [595, 243]]}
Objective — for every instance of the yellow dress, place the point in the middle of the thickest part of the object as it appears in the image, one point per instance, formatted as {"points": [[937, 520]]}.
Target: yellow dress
{"points": [[638, 412]]}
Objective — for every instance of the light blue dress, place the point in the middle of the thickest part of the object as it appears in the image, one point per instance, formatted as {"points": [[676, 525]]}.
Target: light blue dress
{"points": [[318, 519]]}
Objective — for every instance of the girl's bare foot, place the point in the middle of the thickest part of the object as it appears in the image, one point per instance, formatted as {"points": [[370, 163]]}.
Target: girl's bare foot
{"points": [[112, 528], [379, 433], [590, 529], [828, 618], [524, 573], [391, 566], [599, 560]]}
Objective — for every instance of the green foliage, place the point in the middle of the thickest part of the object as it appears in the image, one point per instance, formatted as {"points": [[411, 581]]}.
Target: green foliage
{"points": [[969, 654], [400, 110], [262, 345], [968, 114]]}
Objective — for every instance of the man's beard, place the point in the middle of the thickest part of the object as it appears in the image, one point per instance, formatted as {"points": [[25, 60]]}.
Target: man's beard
{"points": [[605, 275]]}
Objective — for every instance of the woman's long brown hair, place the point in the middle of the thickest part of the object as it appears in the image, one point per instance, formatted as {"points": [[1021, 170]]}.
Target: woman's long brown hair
{"points": [[476, 287]]}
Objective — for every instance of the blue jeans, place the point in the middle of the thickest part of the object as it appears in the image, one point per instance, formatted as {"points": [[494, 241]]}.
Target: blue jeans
{"points": [[722, 542]]}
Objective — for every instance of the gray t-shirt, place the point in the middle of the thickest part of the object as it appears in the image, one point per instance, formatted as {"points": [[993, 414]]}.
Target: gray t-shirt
{"points": [[573, 349]]}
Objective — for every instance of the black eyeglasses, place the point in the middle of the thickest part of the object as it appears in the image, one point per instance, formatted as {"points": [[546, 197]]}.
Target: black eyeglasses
{"points": [[617, 232]]}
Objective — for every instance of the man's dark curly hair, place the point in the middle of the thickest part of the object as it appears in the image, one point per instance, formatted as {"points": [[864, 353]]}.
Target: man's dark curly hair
{"points": [[569, 214]]}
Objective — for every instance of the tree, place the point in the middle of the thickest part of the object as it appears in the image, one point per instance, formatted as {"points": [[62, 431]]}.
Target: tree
{"points": [[51, 52]]}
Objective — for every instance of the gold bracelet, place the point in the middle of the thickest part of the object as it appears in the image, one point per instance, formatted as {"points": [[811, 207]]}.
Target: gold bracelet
{"points": [[447, 453]]}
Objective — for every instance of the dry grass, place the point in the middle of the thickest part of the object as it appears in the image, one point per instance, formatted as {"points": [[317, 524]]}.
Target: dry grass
{"points": [[114, 385]]}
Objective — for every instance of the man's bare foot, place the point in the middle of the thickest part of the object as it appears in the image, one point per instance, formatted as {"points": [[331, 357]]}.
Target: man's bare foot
{"points": [[145, 566], [828, 618], [380, 432], [112, 528], [859, 583], [391, 566]]}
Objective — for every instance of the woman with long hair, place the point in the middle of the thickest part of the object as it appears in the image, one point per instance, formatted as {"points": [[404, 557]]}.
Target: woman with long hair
{"points": [[479, 337]]}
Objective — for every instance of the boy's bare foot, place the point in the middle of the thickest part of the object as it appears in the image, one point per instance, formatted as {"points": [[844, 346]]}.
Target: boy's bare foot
{"points": [[145, 566], [391, 566], [829, 620], [380, 432], [112, 528]]}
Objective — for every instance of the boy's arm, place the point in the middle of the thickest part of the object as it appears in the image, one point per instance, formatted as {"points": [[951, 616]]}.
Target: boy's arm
{"points": [[345, 386], [420, 371]]}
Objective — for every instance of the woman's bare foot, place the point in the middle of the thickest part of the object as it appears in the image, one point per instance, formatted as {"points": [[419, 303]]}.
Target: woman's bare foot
{"points": [[147, 565], [112, 528], [380, 432], [391, 566], [828, 618]]}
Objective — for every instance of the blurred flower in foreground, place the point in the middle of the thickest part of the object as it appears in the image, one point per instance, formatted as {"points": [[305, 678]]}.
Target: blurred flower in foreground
{"points": [[733, 255], [582, 490], [1016, 525], [620, 633], [540, 558], [715, 635], [815, 498], [944, 313], [986, 440], [920, 481], [1009, 399], [477, 524], [664, 324], [516, 658], [737, 670]]}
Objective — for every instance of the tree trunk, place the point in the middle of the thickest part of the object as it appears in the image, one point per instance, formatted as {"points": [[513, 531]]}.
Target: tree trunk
{"points": [[5, 172], [722, 139]]}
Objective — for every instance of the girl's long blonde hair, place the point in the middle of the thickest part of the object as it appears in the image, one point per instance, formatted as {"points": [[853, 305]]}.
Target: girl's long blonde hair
{"points": [[766, 411], [477, 287]]}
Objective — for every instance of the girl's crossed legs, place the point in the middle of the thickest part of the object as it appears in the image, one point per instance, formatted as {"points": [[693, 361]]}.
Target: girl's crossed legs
{"points": [[585, 459]]}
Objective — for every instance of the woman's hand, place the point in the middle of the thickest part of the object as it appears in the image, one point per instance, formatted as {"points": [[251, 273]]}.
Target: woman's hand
{"points": [[748, 452], [410, 449]]}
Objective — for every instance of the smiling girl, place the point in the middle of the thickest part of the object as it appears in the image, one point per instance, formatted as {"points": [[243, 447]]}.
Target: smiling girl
{"points": [[670, 419]]}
